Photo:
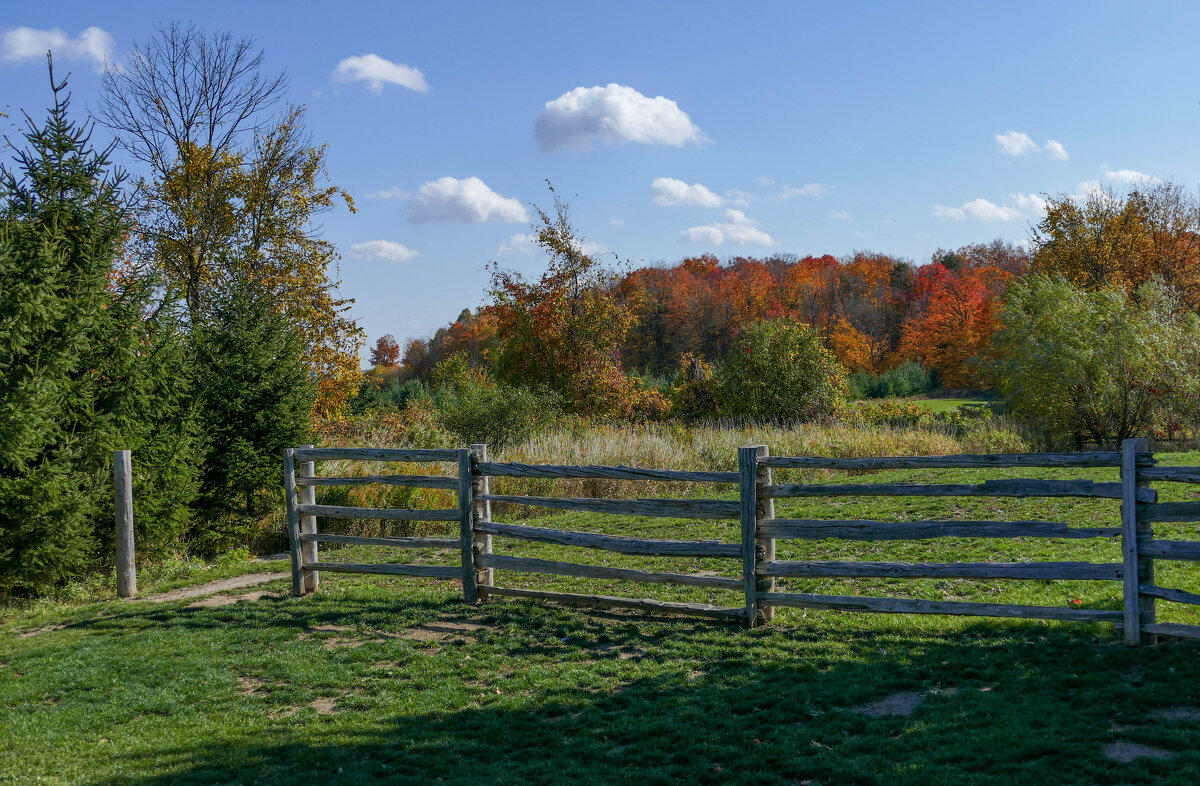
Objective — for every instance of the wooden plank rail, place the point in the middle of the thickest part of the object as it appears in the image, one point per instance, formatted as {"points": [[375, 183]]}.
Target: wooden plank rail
{"points": [[1093, 459], [1172, 474], [420, 571], [530, 565], [737, 613], [666, 508], [1182, 550], [515, 470], [375, 454], [404, 543], [1177, 595], [820, 529], [1021, 487], [588, 540], [1169, 512], [412, 481], [918, 606], [953, 570], [1173, 629], [391, 514]]}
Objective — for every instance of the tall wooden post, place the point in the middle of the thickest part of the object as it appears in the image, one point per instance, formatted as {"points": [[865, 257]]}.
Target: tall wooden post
{"points": [[308, 525], [293, 519], [126, 566], [466, 512], [482, 512], [1134, 567], [765, 510], [748, 497]]}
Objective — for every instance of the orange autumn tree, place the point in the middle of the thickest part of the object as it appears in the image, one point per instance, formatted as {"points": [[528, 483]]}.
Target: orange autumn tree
{"points": [[563, 331], [850, 347], [956, 324]]}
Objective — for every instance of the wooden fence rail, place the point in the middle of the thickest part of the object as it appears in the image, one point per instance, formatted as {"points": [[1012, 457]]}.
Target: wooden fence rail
{"points": [[759, 570]]}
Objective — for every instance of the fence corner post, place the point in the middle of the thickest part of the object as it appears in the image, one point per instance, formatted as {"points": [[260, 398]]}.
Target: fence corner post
{"points": [[1133, 567], [748, 499], [123, 483], [308, 525], [482, 511], [466, 510], [293, 519]]}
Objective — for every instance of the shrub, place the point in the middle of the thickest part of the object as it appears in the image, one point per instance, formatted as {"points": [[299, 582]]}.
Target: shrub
{"points": [[907, 379], [694, 393], [778, 369]]}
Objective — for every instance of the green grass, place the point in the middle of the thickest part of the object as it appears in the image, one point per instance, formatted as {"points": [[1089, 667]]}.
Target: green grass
{"points": [[945, 404], [345, 686]]}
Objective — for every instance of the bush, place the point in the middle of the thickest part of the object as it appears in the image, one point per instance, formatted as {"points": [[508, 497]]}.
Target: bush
{"points": [[778, 369], [476, 409], [907, 379], [694, 393]]}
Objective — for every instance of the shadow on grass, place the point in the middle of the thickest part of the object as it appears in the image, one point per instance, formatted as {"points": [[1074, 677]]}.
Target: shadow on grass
{"points": [[612, 698]]}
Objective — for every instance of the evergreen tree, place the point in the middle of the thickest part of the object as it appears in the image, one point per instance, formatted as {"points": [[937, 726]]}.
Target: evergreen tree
{"points": [[80, 356], [253, 398]]}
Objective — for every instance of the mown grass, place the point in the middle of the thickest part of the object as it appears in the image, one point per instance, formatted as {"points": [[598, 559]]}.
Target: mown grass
{"points": [[396, 679], [945, 404]]}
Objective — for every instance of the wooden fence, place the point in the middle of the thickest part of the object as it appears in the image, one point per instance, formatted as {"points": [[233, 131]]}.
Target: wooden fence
{"points": [[760, 529]]}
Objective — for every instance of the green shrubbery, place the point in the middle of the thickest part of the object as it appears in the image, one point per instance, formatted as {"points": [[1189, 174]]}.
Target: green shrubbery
{"points": [[907, 379], [477, 409]]}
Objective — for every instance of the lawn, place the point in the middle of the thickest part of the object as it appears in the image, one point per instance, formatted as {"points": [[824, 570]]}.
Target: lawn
{"points": [[946, 404], [388, 678]]}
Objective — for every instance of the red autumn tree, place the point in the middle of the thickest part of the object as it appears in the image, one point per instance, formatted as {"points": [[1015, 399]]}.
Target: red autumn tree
{"points": [[386, 352]]}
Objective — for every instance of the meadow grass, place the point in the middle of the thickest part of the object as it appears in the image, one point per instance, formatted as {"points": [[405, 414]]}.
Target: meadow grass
{"points": [[397, 679]]}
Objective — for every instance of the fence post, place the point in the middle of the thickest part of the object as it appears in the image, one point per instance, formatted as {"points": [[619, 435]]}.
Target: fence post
{"points": [[308, 525], [293, 519], [466, 510], [765, 509], [748, 498], [123, 482], [1133, 566], [482, 512]]}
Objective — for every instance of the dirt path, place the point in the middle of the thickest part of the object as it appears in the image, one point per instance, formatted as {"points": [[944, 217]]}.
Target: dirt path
{"points": [[237, 582]]}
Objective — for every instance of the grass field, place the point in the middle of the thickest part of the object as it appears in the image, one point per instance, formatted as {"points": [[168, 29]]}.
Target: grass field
{"points": [[945, 404], [396, 679]]}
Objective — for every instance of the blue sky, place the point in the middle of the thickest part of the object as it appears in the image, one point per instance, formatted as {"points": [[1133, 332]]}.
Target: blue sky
{"points": [[677, 129]]}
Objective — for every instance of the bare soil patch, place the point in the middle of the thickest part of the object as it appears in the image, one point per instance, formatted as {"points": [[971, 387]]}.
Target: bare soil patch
{"points": [[1125, 751], [1177, 713], [902, 703], [41, 630], [216, 601], [212, 587], [442, 629]]}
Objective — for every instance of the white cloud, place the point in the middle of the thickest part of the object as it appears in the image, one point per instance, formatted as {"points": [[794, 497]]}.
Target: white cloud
{"points": [[1056, 150], [840, 215], [520, 243], [737, 197], [669, 191], [376, 72], [1015, 143], [1130, 177], [1029, 203], [808, 189], [382, 251], [617, 222], [468, 200], [764, 181], [736, 228], [392, 192], [23, 44], [980, 209], [1018, 143], [613, 115]]}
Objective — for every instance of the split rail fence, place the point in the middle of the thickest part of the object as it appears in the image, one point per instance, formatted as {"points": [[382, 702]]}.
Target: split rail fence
{"points": [[755, 552]]}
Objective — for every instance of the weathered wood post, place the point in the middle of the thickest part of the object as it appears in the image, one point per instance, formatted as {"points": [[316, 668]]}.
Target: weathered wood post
{"points": [[1134, 568], [293, 519], [482, 512], [748, 499], [466, 512], [126, 566], [308, 524], [765, 547]]}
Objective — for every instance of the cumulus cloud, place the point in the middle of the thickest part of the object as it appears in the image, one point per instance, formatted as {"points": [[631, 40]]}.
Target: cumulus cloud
{"points": [[669, 191], [24, 44], [612, 115], [980, 209], [737, 197], [1018, 143], [1030, 203], [840, 215], [736, 228], [377, 72], [392, 192], [468, 200], [808, 189], [520, 243], [1130, 177], [382, 251]]}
